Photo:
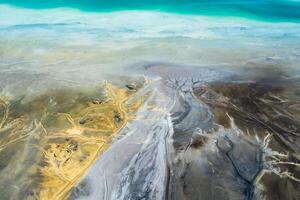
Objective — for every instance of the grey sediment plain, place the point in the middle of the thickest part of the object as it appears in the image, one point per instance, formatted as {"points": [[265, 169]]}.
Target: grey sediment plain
{"points": [[204, 134]]}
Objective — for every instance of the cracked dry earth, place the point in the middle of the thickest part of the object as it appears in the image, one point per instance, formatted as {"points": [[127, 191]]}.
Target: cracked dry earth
{"points": [[178, 134]]}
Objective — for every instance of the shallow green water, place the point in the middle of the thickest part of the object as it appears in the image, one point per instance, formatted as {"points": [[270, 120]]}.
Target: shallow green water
{"points": [[270, 10]]}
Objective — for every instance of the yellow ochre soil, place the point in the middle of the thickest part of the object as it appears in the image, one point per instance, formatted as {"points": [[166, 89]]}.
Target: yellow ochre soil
{"points": [[53, 139]]}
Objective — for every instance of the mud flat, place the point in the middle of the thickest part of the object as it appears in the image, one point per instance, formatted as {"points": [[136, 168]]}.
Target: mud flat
{"points": [[204, 135], [175, 133], [265, 108]]}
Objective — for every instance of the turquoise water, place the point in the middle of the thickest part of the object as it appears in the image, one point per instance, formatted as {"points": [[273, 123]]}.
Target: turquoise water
{"points": [[270, 10]]}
